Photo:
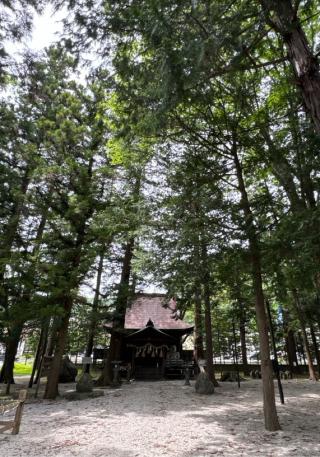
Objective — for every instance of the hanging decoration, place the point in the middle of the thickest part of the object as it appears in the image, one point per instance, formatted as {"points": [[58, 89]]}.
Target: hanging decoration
{"points": [[149, 349]]}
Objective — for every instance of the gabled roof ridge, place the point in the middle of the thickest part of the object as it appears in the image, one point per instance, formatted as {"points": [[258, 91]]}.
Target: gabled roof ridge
{"points": [[157, 307]]}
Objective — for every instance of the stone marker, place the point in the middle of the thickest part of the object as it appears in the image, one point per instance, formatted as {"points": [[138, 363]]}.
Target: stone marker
{"points": [[203, 384], [85, 383], [68, 371]]}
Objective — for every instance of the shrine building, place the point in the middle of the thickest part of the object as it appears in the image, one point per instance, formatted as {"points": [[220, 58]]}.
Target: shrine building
{"points": [[153, 336]]}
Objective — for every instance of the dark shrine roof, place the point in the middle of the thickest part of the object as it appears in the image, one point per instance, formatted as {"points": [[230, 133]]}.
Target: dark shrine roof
{"points": [[162, 312], [150, 333]]}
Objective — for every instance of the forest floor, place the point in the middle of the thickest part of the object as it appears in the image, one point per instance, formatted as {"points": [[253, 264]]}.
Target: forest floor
{"points": [[168, 419]]}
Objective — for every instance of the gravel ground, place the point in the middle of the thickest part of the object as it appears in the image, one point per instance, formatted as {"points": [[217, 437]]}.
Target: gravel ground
{"points": [[166, 418]]}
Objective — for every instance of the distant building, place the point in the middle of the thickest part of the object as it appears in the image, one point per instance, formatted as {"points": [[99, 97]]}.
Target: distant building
{"points": [[153, 336]]}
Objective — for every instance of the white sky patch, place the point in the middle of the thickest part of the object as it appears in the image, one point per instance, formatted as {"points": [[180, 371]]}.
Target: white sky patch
{"points": [[46, 29]]}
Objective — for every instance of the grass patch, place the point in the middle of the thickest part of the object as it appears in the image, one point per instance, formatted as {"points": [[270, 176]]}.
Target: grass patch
{"points": [[22, 369]]}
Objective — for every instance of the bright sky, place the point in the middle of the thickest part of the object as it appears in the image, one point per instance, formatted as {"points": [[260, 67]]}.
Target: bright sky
{"points": [[45, 31], [45, 28]]}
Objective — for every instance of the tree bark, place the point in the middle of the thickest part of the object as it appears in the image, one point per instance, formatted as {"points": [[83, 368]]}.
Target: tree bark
{"points": [[71, 282], [198, 325], [242, 328], [53, 378], [282, 16], [315, 346], [119, 317], [6, 375], [52, 336], [292, 352], [43, 340], [299, 313], [290, 342], [198, 318], [21, 307], [94, 310], [269, 405], [207, 315], [284, 172], [8, 237]]}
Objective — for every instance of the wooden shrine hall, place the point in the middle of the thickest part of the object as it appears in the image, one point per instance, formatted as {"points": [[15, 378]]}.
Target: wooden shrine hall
{"points": [[153, 338]]}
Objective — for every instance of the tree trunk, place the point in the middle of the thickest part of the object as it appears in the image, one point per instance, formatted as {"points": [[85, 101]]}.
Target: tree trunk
{"points": [[9, 235], [20, 308], [292, 352], [42, 344], [269, 405], [208, 339], [242, 328], [198, 318], [53, 379], [198, 327], [65, 299], [283, 171], [73, 275], [12, 344], [207, 315], [94, 311], [315, 346], [290, 342], [282, 16], [297, 307], [119, 319], [301, 351], [53, 336]]}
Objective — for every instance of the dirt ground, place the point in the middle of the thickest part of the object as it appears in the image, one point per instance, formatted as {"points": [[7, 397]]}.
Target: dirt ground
{"points": [[166, 418]]}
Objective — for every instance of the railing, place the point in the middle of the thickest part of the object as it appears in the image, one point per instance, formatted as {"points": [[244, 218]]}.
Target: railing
{"points": [[10, 405]]}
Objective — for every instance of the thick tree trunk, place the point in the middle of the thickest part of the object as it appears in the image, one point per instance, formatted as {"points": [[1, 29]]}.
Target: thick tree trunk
{"points": [[66, 300], [269, 405], [198, 325], [12, 344], [198, 317], [52, 336], [53, 379], [282, 16], [120, 312], [299, 313], [208, 339], [74, 271]]}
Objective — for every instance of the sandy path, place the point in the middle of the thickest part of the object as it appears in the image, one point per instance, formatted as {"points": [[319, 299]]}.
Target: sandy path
{"points": [[151, 419]]}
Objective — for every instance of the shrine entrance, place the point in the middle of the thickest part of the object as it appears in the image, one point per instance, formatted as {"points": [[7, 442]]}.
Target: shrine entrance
{"points": [[149, 347]]}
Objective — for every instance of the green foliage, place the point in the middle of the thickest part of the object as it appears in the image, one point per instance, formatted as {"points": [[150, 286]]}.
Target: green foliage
{"points": [[143, 149], [22, 369]]}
